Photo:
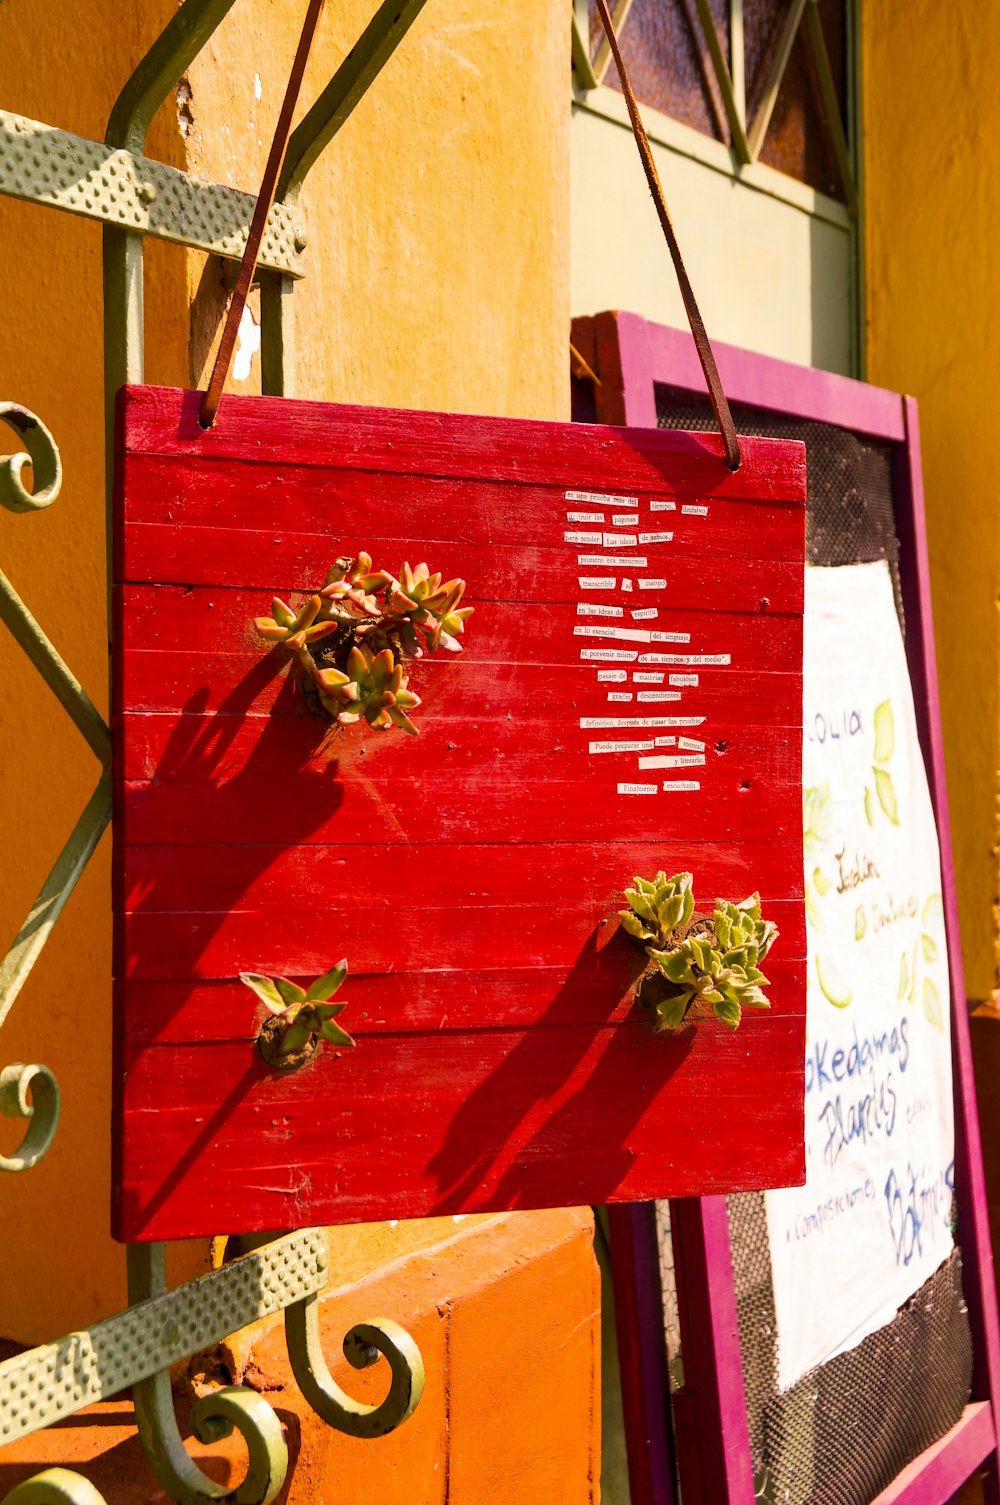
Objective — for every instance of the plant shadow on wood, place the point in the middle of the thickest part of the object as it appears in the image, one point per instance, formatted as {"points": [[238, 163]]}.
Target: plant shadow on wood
{"points": [[201, 750], [551, 1125]]}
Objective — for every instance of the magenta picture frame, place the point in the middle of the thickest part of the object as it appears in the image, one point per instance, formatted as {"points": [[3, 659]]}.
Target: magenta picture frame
{"points": [[707, 1447]]}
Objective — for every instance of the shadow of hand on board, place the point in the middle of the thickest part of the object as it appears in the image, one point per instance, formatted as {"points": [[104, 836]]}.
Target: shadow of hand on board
{"points": [[553, 1123], [227, 792]]}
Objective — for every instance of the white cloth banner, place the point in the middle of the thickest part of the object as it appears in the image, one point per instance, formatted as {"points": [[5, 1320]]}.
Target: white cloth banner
{"points": [[872, 1222]]}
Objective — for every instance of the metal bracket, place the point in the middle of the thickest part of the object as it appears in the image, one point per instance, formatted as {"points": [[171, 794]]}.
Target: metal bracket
{"points": [[48, 1383], [122, 188]]}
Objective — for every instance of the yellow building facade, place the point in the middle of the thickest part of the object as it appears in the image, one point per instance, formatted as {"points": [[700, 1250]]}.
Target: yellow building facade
{"points": [[454, 226]]}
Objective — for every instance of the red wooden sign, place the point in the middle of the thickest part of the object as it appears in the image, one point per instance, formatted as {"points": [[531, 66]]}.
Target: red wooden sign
{"points": [[628, 699]]}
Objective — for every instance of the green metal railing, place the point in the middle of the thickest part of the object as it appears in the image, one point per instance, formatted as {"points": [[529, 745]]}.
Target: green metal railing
{"points": [[135, 197]]}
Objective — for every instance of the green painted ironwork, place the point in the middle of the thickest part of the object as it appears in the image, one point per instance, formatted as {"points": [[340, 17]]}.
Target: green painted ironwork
{"points": [[29, 1092], [53, 167], [48, 1383], [55, 1486], [115, 183], [42, 455], [364, 1345]]}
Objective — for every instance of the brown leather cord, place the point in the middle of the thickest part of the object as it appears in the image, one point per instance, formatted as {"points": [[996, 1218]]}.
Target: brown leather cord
{"points": [[720, 406], [248, 264]]}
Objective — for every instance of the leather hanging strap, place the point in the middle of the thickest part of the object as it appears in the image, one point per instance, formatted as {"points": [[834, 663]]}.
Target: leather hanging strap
{"points": [[720, 405], [248, 264]]}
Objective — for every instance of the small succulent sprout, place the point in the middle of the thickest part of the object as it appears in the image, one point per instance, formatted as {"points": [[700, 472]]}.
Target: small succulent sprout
{"points": [[657, 908], [294, 628], [302, 1012], [374, 687]]}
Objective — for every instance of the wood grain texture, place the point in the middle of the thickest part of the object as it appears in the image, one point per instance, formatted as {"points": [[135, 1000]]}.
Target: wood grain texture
{"points": [[472, 875]]}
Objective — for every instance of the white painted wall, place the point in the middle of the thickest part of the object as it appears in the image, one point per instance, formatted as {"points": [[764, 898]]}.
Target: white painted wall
{"points": [[771, 261]]}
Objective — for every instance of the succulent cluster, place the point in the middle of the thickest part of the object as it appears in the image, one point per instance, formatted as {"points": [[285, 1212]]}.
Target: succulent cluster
{"points": [[353, 638], [708, 963], [300, 1014]]}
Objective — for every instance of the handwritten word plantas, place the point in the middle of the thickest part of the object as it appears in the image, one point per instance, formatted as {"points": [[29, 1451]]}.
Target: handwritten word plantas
{"points": [[354, 637], [300, 1016], [708, 964]]}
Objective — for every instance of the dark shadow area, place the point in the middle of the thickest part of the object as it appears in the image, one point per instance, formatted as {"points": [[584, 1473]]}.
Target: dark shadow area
{"points": [[549, 1150]]}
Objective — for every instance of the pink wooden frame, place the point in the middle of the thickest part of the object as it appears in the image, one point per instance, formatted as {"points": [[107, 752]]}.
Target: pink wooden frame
{"points": [[631, 357]]}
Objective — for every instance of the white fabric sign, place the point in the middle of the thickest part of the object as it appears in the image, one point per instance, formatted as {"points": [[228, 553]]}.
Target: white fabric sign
{"points": [[872, 1222]]}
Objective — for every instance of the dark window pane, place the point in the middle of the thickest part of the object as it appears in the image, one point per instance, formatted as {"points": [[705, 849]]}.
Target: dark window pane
{"points": [[797, 140], [671, 70], [667, 60]]}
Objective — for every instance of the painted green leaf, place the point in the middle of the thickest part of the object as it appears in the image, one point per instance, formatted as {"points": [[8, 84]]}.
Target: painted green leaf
{"points": [[834, 989], [860, 923], [886, 794], [817, 815], [812, 908], [930, 949], [912, 995], [904, 977], [885, 732], [821, 881], [869, 806], [932, 1005], [932, 915]]}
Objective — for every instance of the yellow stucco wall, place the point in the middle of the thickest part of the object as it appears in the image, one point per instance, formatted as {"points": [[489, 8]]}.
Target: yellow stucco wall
{"points": [[932, 192], [438, 277]]}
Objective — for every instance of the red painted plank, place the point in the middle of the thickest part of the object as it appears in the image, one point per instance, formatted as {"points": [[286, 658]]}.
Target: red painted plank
{"points": [[185, 747], [223, 944], [219, 620], [185, 494], [451, 690], [472, 875], [403, 811], [510, 989], [169, 878], [278, 431], [284, 560], [477, 1120]]}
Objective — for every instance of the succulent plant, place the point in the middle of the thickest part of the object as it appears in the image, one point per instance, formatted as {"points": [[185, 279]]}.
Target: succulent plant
{"points": [[294, 629], [658, 908], [710, 962], [425, 612], [373, 687], [302, 1012], [379, 621], [718, 967]]}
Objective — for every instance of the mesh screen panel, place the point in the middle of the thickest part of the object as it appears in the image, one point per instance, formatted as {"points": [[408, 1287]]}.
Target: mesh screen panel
{"points": [[846, 1429]]}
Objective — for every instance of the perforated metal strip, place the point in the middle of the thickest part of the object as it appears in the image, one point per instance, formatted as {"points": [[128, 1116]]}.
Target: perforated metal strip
{"points": [[52, 167], [44, 1384]]}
